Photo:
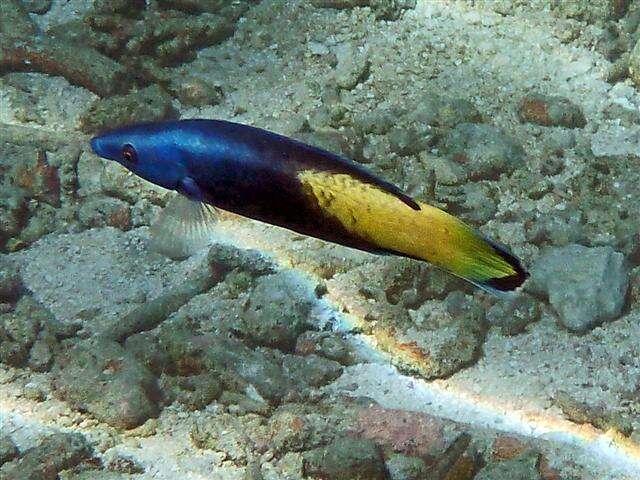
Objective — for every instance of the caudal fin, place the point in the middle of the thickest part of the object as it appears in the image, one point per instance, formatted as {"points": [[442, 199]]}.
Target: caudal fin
{"points": [[499, 271]]}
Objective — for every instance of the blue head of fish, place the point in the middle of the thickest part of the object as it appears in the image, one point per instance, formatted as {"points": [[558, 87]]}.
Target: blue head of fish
{"points": [[148, 150]]}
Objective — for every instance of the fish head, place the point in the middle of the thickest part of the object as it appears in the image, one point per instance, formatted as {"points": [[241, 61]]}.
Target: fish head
{"points": [[147, 150]]}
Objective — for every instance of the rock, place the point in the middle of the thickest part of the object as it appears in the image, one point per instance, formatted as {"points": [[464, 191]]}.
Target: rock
{"points": [[312, 370], [448, 172], [524, 467], [10, 280], [346, 459], [42, 352], [326, 344], [441, 339], [228, 435], [277, 311], [483, 151], [401, 467], [14, 20], [105, 211], [223, 258], [441, 111], [600, 416], [148, 351], [289, 431], [408, 433], [592, 11], [352, 67], [149, 104], [513, 314], [53, 454], [151, 313], [100, 377], [13, 214], [19, 330], [237, 365], [408, 141], [634, 64], [550, 111], [198, 391], [586, 286], [196, 92], [79, 64], [8, 450]]}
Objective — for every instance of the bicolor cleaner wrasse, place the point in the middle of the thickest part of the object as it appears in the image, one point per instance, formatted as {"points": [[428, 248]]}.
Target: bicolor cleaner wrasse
{"points": [[275, 179]]}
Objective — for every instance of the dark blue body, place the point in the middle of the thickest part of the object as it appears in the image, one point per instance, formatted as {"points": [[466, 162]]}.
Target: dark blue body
{"points": [[239, 168]]}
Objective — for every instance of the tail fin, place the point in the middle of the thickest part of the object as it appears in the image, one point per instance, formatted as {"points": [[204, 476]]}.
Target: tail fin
{"points": [[498, 276]]}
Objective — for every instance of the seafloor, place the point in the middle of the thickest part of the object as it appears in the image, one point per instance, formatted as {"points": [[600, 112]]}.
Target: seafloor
{"points": [[273, 356]]}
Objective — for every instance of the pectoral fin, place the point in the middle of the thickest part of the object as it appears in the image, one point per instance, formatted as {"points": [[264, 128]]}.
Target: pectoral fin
{"points": [[182, 228]]}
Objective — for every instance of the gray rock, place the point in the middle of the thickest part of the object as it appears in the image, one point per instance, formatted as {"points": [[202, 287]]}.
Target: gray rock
{"points": [[151, 103], [236, 364], [513, 314], [592, 11], [146, 348], [402, 467], [37, 6], [53, 454], [524, 467], [100, 377], [311, 370], [277, 311], [352, 67], [408, 141], [198, 391], [19, 330], [586, 286], [484, 151], [14, 21], [8, 449], [346, 458]]}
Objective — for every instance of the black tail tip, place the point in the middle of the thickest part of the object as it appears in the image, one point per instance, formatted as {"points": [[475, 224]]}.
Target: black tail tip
{"points": [[511, 282]]}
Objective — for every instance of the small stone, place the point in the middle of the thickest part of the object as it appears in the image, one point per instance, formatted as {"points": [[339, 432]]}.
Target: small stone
{"points": [[289, 431], [441, 111], [197, 92], [53, 454], [352, 67], [550, 111], [483, 151], [312, 370], [39, 7], [586, 286], [326, 344], [401, 467], [346, 458], [8, 449]]}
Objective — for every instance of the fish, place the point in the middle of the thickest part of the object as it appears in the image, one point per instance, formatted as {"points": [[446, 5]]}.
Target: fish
{"points": [[278, 180]]}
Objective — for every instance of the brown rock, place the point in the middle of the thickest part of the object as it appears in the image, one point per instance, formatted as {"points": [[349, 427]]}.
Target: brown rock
{"points": [[550, 111]]}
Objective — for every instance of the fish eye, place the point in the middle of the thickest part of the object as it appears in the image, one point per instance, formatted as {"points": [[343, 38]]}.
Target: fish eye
{"points": [[129, 154]]}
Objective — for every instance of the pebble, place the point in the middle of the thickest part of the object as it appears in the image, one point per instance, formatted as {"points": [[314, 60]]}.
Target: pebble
{"points": [[550, 111]]}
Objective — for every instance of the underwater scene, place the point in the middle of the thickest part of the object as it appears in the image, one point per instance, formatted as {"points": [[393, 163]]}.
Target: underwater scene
{"points": [[320, 239]]}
